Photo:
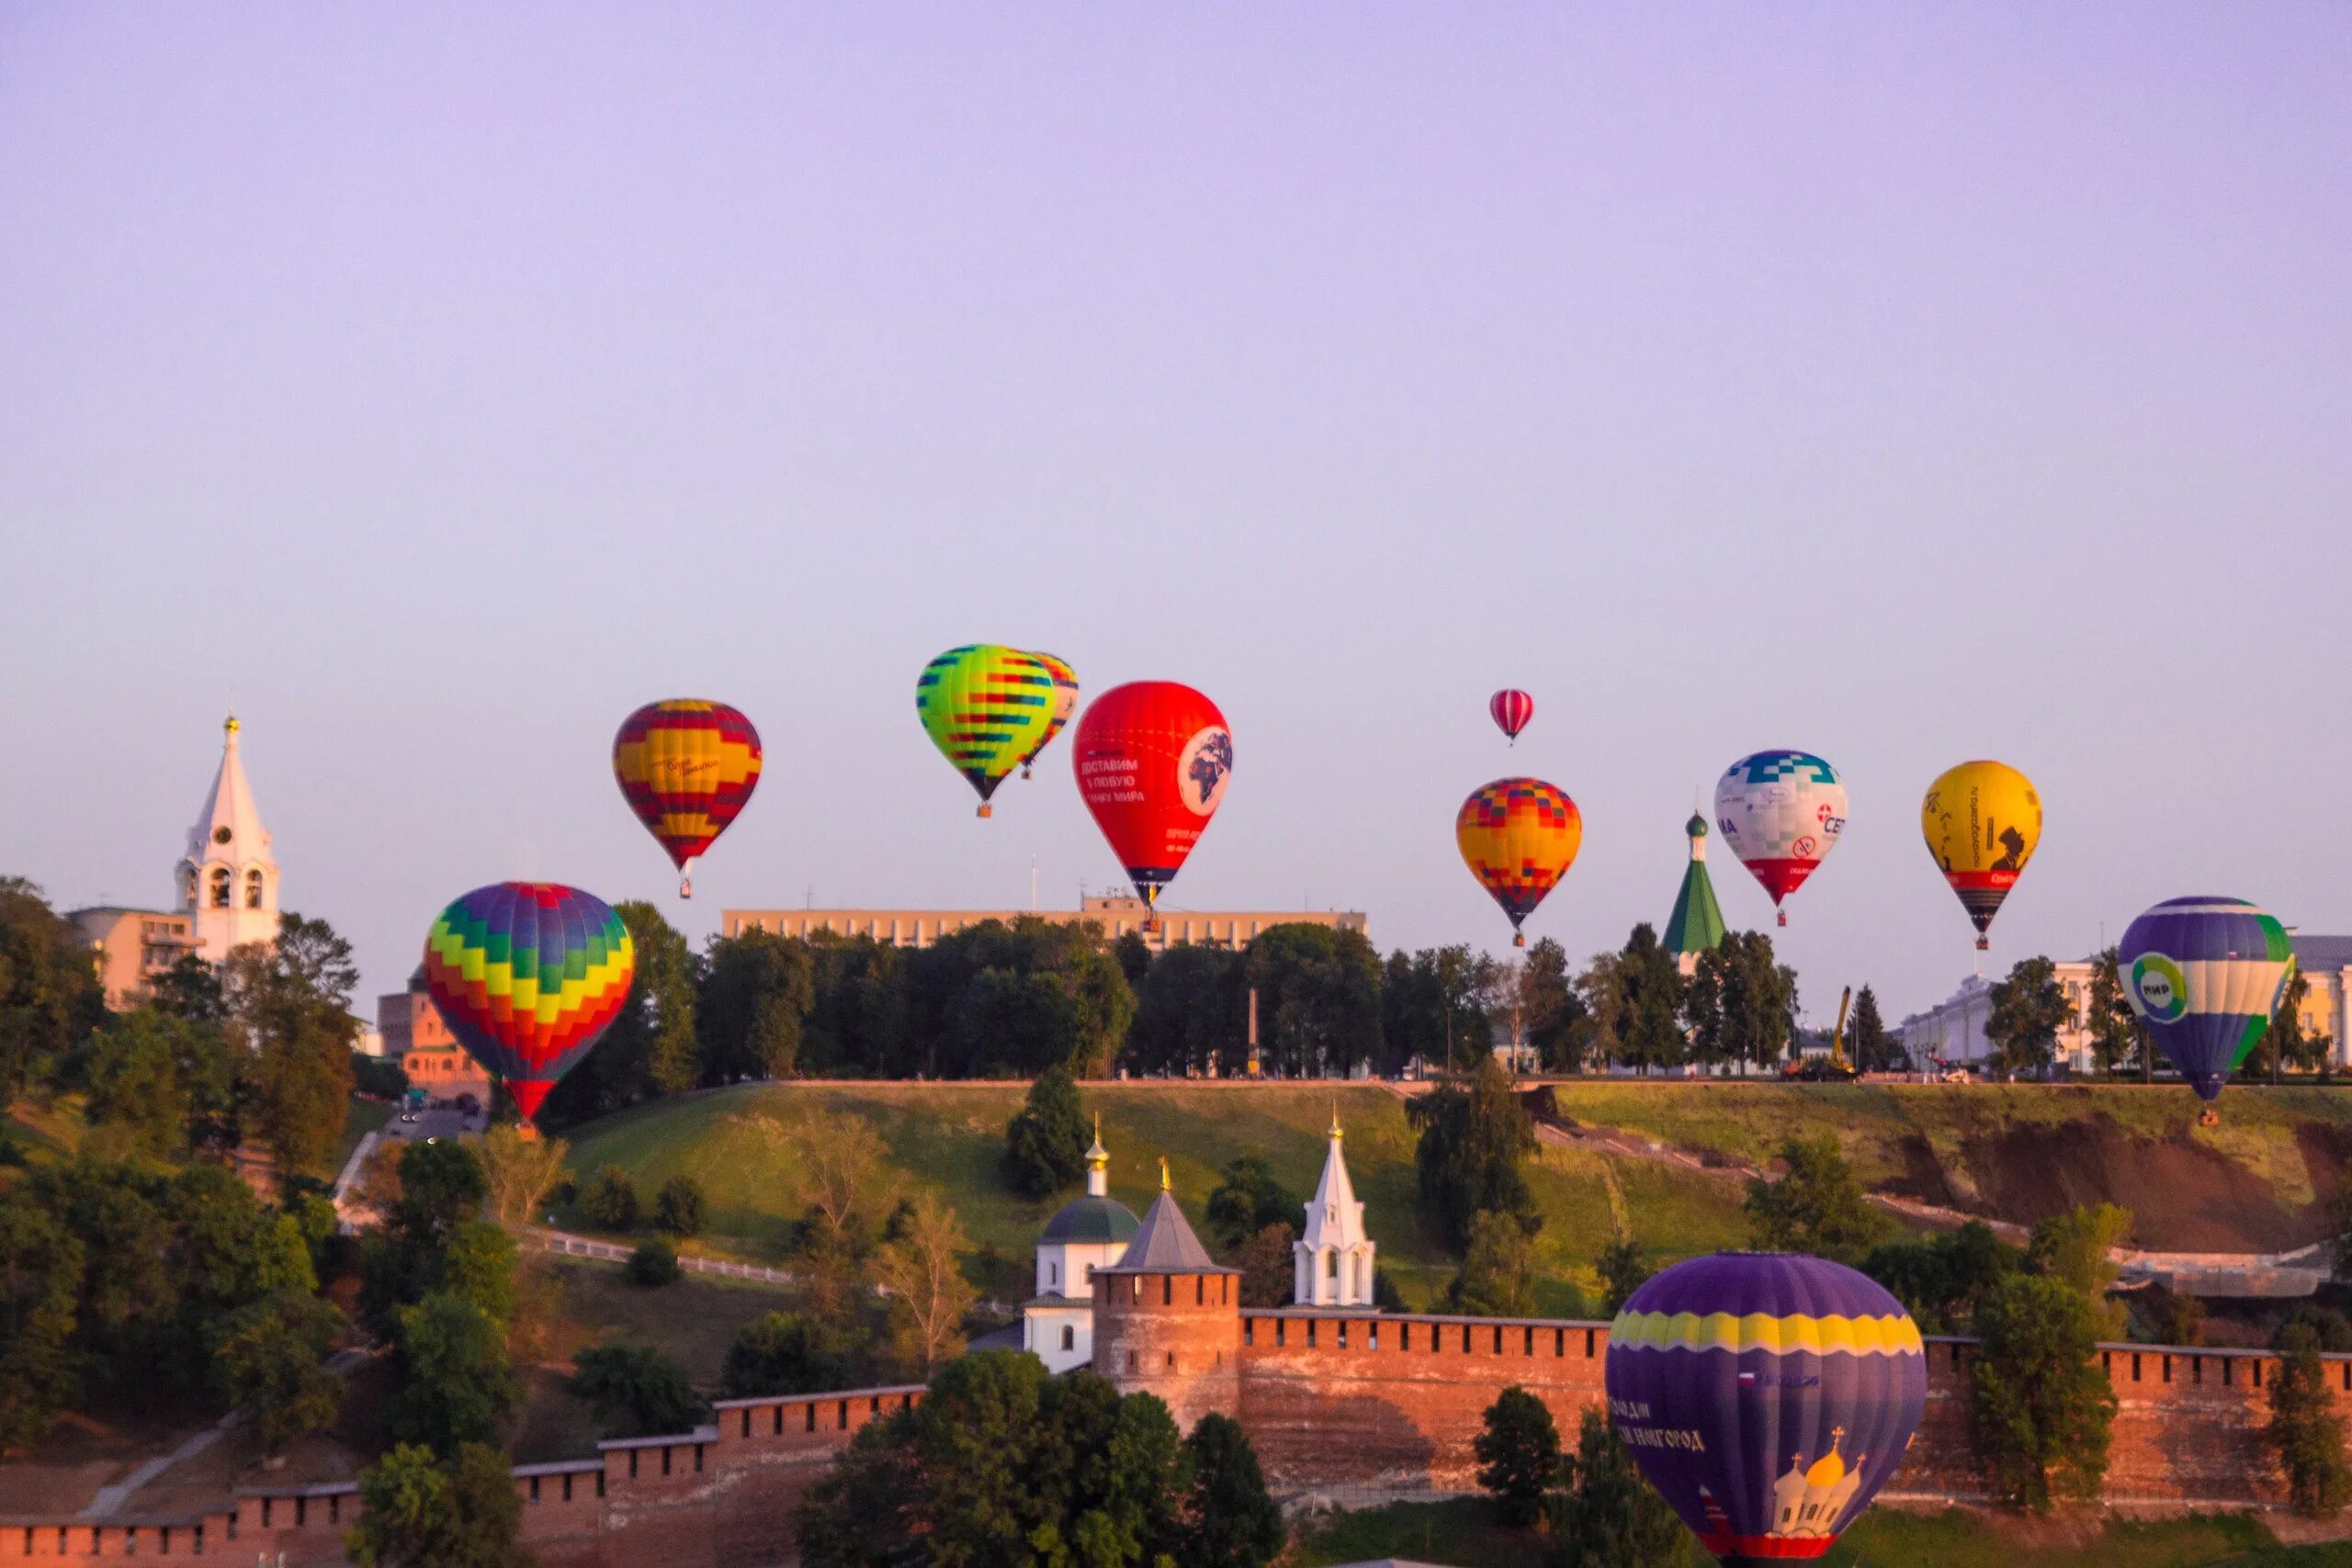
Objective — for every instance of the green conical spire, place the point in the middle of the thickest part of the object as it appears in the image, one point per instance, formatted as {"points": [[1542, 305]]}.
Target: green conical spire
{"points": [[1697, 924]]}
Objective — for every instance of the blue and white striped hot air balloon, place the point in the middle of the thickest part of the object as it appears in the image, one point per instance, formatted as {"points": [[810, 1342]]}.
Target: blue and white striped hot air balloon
{"points": [[2205, 974]]}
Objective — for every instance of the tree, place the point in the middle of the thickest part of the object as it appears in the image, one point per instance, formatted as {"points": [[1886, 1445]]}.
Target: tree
{"points": [[1607, 1517], [2028, 1010], [2166, 1316], [1624, 1268], [2041, 1405], [148, 1072], [1702, 1010], [417, 1511], [1002, 1465], [41, 1274], [1474, 1134], [788, 1353], [2305, 1429], [289, 1012], [751, 1013], [1818, 1207], [2114, 1032], [840, 1174], [1191, 1012], [1498, 1274], [1012, 999], [653, 1263], [1550, 1009], [1045, 1142], [638, 1391], [1248, 1199], [679, 1208], [1942, 1280], [442, 1187], [1318, 996], [1649, 1028], [1231, 1520], [1268, 1266], [924, 1271], [2286, 1042], [610, 1200], [650, 1048], [1518, 1455], [518, 1173], [2074, 1248], [271, 1363], [1873, 1050], [49, 997], [1759, 1000], [454, 1384]]}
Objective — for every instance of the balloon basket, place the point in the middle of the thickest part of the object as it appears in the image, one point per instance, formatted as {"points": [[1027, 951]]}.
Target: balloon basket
{"points": [[1025, 770], [1783, 919], [986, 809], [527, 1130], [1984, 945], [2208, 1117], [685, 888], [1519, 939]]}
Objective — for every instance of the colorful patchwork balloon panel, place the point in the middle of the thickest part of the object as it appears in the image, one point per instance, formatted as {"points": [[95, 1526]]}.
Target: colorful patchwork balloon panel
{"points": [[1781, 812], [2205, 976], [527, 974], [1519, 837], [686, 768], [1768, 1396], [986, 707]]}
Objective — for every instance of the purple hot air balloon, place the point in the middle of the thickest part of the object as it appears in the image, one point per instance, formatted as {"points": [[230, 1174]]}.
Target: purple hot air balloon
{"points": [[2205, 974], [1766, 1395]]}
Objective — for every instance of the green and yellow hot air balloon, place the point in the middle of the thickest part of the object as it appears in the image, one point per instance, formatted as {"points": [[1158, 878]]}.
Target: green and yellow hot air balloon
{"points": [[986, 707]]}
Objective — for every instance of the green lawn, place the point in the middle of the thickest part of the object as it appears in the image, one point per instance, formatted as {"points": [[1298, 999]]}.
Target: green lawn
{"points": [[1462, 1531]]}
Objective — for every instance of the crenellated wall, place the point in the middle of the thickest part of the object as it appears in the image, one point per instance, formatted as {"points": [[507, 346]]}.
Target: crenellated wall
{"points": [[1333, 1400]]}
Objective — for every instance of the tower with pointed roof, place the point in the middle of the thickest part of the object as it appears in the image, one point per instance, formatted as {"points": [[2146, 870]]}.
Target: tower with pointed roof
{"points": [[1168, 1318], [1088, 1234], [1333, 1256], [228, 882], [1697, 924]]}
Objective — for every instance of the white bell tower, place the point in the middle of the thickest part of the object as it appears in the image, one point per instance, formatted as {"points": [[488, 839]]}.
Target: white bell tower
{"points": [[227, 881], [1334, 1260]]}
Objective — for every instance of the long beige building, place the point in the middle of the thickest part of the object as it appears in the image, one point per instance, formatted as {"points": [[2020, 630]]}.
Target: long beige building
{"points": [[1116, 915]]}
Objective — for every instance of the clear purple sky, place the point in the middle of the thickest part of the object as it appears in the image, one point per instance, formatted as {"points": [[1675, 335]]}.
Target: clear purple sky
{"points": [[1903, 383]]}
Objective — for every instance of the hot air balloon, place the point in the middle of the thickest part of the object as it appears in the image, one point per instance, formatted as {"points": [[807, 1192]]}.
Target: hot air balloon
{"points": [[527, 974], [986, 707], [1982, 822], [1519, 837], [686, 768], [1065, 705], [2205, 976], [1781, 813], [1768, 1396], [1152, 759], [1512, 708]]}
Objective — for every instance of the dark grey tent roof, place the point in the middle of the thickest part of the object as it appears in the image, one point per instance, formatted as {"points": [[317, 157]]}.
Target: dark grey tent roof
{"points": [[1165, 1243]]}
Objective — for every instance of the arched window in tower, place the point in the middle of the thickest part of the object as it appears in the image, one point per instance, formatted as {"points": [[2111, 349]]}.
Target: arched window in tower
{"points": [[221, 887], [253, 889], [187, 887]]}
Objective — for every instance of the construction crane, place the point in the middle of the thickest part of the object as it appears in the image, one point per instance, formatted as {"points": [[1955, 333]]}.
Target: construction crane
{"points": [[1838, 1038]]}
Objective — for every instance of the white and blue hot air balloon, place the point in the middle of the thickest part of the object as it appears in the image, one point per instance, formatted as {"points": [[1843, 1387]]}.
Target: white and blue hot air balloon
{"points": [[2204, 975]]}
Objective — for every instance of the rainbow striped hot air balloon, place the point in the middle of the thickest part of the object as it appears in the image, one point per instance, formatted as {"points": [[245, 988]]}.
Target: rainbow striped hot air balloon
{"points": [[1768, 1396], [1519, 837], [687, 767], [527, 974], [2205, 976], [986, 707], [1065, 705]]}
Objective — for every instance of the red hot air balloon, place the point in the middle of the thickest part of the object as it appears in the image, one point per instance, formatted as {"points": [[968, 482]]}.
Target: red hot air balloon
{"points": [[1152, 758], [1512, 709]]}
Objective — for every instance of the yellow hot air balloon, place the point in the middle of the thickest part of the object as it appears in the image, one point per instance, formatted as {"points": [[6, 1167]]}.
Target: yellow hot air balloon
{"points": [[1982, 821]]}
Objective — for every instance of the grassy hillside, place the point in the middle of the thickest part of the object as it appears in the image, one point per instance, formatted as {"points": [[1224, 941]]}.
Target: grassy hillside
{"points": [[2253, 1183]]}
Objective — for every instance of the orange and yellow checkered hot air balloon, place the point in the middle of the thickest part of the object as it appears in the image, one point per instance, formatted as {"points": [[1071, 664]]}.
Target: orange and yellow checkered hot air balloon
{"points": [[1519, 837], [686, 768]]}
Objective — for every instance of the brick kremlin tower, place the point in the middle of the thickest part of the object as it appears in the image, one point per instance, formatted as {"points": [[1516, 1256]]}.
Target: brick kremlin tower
{"points": [[1168, 1318], [1697, 924]]}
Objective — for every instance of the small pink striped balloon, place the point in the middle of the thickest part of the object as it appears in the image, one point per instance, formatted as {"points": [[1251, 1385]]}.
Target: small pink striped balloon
{"points": [[1512, 708]]}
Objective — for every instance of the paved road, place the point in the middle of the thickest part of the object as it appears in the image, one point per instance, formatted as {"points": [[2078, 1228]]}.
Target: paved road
{"points": [[436, 1124]]}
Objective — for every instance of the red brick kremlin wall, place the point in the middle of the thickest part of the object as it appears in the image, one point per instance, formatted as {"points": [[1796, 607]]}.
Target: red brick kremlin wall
{"points": [[1333, 1401]]}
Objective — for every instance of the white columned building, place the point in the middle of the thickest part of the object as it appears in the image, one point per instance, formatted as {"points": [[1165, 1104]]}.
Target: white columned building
{"points": [[228, 883], [1089, 1232], [1334, 1258]]}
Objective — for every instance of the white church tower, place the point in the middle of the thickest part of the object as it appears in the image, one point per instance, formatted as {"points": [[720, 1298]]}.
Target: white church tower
{"points": [[1334, 1256], [227, 881]]}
